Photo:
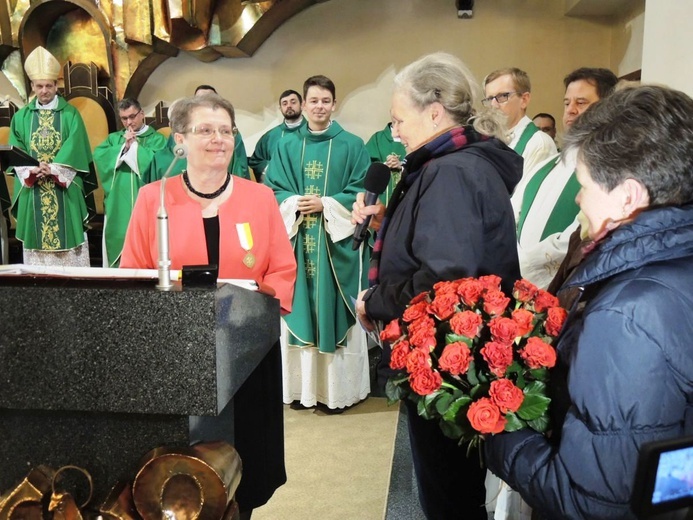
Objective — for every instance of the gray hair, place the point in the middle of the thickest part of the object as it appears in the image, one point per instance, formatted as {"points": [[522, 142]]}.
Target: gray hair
{"points": [[180, 110], [643, 133], [444, 78]]}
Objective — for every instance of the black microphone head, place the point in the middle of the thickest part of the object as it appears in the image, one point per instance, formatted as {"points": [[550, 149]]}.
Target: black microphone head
{"points": [[377, 178], [180, 150]]}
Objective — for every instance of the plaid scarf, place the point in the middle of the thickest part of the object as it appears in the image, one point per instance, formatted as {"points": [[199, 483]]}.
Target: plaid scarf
{"points": [[451, 141]]}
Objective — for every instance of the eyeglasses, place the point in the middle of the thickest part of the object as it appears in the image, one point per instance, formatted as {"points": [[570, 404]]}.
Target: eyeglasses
{"points": [[206, 131], [132, 117], [501, 98]]}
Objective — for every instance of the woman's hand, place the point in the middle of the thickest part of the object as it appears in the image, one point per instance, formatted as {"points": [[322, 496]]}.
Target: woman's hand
{"points": [[360, 211], [363, 318]]}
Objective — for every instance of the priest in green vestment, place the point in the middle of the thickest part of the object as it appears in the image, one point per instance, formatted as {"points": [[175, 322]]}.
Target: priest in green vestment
{"points": [[121, 160], [384, 148], [316, 173], [290, 107], [53, 200]]}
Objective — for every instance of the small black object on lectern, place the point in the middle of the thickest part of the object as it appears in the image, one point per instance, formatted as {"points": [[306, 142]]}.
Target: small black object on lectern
{"points": [[14, 156]]}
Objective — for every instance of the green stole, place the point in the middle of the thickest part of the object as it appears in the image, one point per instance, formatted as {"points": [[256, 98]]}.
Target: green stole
{"points": [[564, 211], [329, 273], [527, 134], [122, 185]]}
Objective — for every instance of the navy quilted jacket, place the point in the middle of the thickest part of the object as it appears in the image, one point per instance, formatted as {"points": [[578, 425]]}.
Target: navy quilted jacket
{"points": [[624, 375]]}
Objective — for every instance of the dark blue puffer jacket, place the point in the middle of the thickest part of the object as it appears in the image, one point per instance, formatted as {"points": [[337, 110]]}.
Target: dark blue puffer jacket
{"points": [[624, 376]]}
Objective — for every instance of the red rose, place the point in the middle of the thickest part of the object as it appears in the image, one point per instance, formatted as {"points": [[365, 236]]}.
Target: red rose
{"points": [[399, 355], [543, 300], [445, 288], [495, 302], [491, 282], [524, 290], [470, 291], [416, 311], [485, 417], [498, 356], [455, 358], [538, 354], [466, 323], [444, 305], [421, 297], [422, 333], [506, 395], [555, 318], [504, 329], [418, 359], [524, 320], [392, 332], [425, 381]]}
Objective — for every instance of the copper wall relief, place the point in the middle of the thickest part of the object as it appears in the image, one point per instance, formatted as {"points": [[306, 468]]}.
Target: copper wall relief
{"points": [[127, 39]]}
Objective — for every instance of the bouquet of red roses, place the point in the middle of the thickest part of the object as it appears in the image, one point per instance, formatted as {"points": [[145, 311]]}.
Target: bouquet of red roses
{"points": [[475, 359]]}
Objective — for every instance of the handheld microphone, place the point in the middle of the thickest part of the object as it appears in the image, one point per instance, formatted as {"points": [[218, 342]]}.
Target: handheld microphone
{"points": [[377, 178], [164, 260]]}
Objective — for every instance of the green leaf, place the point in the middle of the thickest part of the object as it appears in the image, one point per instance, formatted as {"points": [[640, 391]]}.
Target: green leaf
{"points": [[471, 374], [540, 374], [540, 424], [513, 422], [444, 403], [533, 407], [394, 391], [454, 408], [452, 338], [451, 429], [535, 388]]}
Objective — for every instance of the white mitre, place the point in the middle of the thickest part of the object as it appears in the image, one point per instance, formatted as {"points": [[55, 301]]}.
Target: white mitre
{"points": [[41, 65]]}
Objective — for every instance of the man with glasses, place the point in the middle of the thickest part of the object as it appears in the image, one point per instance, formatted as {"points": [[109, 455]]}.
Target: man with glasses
{"points": [[53, 201], [548, 212], [121, 161], [510, 91]]}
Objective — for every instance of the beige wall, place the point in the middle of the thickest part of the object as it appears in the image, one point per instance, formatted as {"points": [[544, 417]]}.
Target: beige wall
{"points": [[361, 43], [666, 47]]}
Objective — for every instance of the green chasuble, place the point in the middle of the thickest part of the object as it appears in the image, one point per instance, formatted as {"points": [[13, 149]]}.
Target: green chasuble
{"points": [[332, 164], [163, 158], [265, 147], [49, 217], [121, 185], [380, 146]]}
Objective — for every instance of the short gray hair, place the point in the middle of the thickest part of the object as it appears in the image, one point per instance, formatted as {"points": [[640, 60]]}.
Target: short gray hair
{"points": [[643, 133], [444, 78], [180, 110]]}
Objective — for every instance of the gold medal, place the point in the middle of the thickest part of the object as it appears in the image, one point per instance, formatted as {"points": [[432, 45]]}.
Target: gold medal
{"points": [[249, 260]]}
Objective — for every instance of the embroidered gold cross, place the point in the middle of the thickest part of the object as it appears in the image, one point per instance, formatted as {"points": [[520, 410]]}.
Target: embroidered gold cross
{"points": [[313, 190], [314, 169], [310, 221], [309, 244], [311, 269]]}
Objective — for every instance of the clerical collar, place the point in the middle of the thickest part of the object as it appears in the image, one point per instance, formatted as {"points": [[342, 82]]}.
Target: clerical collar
{"points": [[294, 125], [142, 130], [48, 106], [318, 132]]}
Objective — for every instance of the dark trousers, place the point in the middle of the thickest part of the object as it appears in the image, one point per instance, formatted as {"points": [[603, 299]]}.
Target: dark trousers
{"points": [[451, 485]]}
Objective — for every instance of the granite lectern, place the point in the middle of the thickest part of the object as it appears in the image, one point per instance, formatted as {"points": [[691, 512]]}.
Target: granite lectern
{"points": [[96, 373]]}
